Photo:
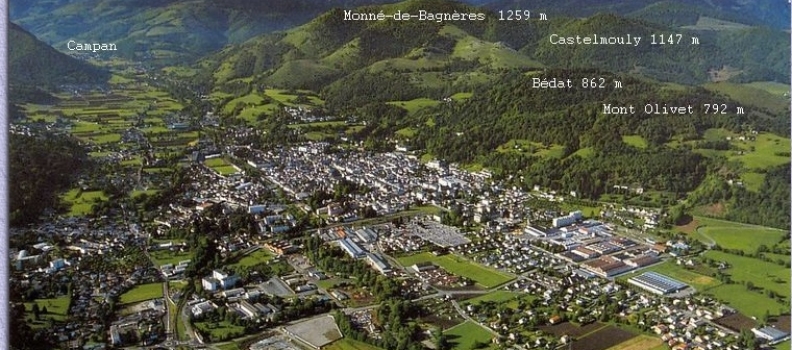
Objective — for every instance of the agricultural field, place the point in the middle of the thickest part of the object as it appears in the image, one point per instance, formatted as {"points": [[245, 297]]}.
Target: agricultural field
{"points": [[737, 322], [572, 330], [142, 292], [763, 275], [642, 342], [466, 334], [484, 276], [604, 338], [764, 152], [751, 303]]}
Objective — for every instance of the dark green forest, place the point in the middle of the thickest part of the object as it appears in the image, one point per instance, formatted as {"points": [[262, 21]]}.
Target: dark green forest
{"points": [[41, 167]]}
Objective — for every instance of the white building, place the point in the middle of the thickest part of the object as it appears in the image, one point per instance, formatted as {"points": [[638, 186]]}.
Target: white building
{"points": [[567, 220], [218, 280]]}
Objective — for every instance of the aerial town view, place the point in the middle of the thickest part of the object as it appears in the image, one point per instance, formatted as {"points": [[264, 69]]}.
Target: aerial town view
{"points": [[399, 175]]}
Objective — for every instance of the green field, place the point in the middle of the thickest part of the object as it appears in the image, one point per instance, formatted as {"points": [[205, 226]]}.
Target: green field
{"points": [[766, 95], [757, 154], [771, 87], [406, 132], [463, 336], [215, 162], [635, 141], [349, 344], [752, 181], [761, 273], [255, 258], [142, 292], [494, 55], [783, 345], [57, 310], [229, 346], [767, 276], [532, 148], [461, 96], [584, 152], [330, 282], [485, 276], [220, 165], [413, 106], [496, 296], [746, 302], [733, 235], [81, 202], [764, 149], [220, 330]]}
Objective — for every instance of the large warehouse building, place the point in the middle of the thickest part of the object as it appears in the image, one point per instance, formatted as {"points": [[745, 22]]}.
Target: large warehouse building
{"points": [[657, 283]]}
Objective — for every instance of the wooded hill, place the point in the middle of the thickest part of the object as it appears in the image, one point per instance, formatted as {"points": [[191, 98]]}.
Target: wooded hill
{"points": [[35, 69], [165, 31], [441, 58]]}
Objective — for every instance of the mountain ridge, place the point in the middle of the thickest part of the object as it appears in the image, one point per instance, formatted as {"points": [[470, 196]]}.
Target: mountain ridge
{"points": [[34, 65]]}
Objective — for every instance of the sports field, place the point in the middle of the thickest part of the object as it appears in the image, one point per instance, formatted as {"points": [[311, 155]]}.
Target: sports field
{"points": [[466, 334], [732, 235], [142, 292]]}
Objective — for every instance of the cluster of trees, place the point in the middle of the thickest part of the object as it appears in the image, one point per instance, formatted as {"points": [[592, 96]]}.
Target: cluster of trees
{"points": [[41, 167], [22, 335], [394, 315], [335, 260], [769, 206]]}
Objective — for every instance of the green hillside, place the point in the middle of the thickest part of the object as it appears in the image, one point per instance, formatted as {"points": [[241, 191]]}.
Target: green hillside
{"points": [[755, 53], [36, 68], [166, 31]]}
